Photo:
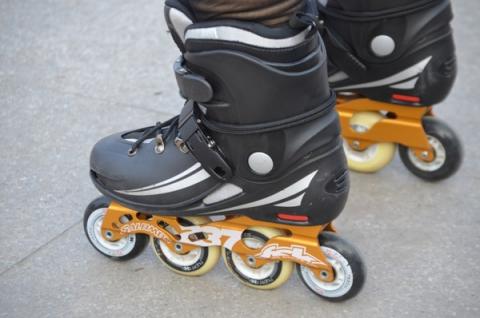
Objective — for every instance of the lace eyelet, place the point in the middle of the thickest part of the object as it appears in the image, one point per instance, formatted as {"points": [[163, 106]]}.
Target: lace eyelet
{"points": [[132, 153], [181, 145], [159, 144], [159, 149]]}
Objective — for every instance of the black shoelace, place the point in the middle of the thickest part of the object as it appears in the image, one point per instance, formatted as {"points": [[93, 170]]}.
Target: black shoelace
{"points": [[155, 131]]}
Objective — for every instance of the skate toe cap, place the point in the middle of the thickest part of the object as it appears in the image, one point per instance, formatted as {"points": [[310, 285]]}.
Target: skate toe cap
{"points": [[147, 177]]}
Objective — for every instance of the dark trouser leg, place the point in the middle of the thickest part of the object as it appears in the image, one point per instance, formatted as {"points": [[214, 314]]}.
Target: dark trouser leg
{"points": [[268, 12]]}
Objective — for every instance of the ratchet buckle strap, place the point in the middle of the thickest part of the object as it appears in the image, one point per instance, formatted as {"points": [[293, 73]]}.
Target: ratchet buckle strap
{"points": [[192, 138]]}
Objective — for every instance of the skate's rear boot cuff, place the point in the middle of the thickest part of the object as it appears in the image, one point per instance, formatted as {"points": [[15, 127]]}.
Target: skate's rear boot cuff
{"points": [[388, 49], [257, 136]]}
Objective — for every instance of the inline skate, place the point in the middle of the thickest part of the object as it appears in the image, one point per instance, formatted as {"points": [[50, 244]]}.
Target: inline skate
{"points": [[252, 169], [389, 62]]}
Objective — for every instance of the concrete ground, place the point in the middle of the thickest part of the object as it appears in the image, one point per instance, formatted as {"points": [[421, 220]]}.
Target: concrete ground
{"points": [[72, 72]]}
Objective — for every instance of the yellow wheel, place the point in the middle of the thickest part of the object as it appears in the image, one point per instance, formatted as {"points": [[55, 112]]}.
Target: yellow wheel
{"points": [[374, 157], [269, 276], [197, 262]]}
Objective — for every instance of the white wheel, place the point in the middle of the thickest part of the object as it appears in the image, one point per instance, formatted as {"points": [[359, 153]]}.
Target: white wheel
{"points": [[196, 262], [124, 248], [374, 157], [447, 152], [347, 265], [438, 161], [343, 276], [269, 276]]}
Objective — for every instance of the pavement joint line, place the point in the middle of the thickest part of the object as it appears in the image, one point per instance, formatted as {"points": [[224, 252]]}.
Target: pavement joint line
{"points": [[38, 249], [110, 101]]}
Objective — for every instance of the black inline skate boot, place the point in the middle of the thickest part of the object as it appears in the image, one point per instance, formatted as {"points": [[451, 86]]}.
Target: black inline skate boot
{"points": [[253, 164], [389, 62]]}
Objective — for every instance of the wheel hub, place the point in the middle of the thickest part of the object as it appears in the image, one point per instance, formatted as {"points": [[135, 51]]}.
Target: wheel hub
{"points": [[178, 258], [342, 276], [423, 162], [105, 243], [249, 268]]}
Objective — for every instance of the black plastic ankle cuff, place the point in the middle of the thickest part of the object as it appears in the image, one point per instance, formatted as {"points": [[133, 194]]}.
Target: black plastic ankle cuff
{"points": [[300, 119], [363, 16]]}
